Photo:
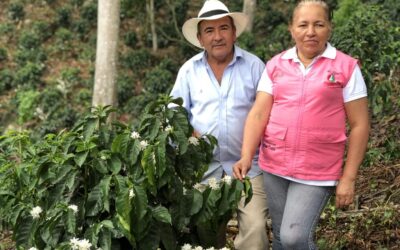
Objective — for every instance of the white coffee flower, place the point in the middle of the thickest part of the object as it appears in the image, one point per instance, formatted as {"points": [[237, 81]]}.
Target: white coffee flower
{"points": [[35, 212], [131, 193], [74, 242], [74, 208], [186, 247], [227, 179], [193, 140], [143, 144], [224, 248], [198, 248], [135, 135], [84, 244], [211, 248], [199, 187], [77, 244], [213, 183], [169, 129], [33, 248]]}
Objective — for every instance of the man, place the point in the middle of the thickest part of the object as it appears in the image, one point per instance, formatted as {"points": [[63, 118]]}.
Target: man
{"points": [[218, 87]]}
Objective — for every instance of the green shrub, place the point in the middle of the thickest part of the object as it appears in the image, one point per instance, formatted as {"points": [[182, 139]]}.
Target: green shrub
{"points": [[83, 99], [126, 88], [29, 40], [6, 28], [51, 98], [77, 3], [277, 41], [71, 75], [63, 41], [58, 119], [43, 29], [135, 104], [137, 60], [246, 41], [158, 80], [345, 9], [3, 54], [391, 6], [6, 80], [370, 36], [23, 56], [27, 103], [130, 39], [16, 11], [29, 75], [89, 11], [50, 1], [54, 111], [64, 16], [129, 7], [114, 184], [82, 29]]}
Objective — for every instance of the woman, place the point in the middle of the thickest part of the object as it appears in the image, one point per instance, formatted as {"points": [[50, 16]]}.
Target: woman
{"points": [[305, 96]]}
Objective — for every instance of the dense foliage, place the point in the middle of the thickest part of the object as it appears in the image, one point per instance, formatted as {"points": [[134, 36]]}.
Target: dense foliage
{"points": [[47, 52], [115, 187]]}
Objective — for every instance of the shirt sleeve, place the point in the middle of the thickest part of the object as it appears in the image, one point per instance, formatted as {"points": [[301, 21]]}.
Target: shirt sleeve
{"points": [[356, 87], [265, 83], [181, 89]]}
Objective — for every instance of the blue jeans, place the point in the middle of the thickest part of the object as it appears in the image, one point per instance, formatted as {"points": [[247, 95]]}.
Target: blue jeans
{"points": [[294, 209]]}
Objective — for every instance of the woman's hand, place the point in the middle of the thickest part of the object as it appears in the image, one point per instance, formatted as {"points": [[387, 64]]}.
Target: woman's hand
{"points": [[345, 192], [241, 168]]}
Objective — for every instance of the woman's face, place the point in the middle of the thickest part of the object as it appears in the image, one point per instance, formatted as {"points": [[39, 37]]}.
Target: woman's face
{"points": [[310, 30]]}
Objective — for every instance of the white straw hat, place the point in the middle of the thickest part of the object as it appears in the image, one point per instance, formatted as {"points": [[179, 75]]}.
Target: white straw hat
{"points": [[211, 10]]}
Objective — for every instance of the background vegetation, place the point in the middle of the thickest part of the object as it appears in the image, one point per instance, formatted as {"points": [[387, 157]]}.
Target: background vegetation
{"points": [[47, 53]]}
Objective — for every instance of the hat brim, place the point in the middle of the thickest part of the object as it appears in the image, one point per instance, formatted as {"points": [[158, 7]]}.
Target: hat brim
{"points": [[189, 28]]}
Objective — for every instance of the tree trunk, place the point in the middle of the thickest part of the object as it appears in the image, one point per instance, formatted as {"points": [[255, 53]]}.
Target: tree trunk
{"points": [[150, 12], [249, 7], [105, 87]]}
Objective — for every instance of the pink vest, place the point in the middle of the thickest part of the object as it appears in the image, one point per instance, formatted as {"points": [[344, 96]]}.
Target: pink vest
{"points": [[306, 134]]}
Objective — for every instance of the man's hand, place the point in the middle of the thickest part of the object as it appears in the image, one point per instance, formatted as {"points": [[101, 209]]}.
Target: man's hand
{"points": [[241, 168], [345, 192], [196, 134]]}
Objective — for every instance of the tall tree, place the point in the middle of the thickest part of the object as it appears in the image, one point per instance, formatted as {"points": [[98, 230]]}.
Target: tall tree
{"points": [[150, 12], [108, 21], [249, 8]]}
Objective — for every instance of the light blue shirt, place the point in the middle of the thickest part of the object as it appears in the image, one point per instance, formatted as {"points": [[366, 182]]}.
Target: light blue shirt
{"points": [[220, 110]]}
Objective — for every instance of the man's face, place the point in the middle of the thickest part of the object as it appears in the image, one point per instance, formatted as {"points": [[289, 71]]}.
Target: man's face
{"points": [[217, 37]]}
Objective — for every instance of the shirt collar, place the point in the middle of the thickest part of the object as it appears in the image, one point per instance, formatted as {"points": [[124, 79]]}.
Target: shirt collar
{"points": [[329, 52]]}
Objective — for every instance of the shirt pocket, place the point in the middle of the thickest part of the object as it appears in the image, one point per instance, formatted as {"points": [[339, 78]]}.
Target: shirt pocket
{"points": [[325, 149], [274, 145]]}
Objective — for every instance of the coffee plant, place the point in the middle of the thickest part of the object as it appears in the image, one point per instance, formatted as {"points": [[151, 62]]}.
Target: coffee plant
{"points": [[115, 186]]}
